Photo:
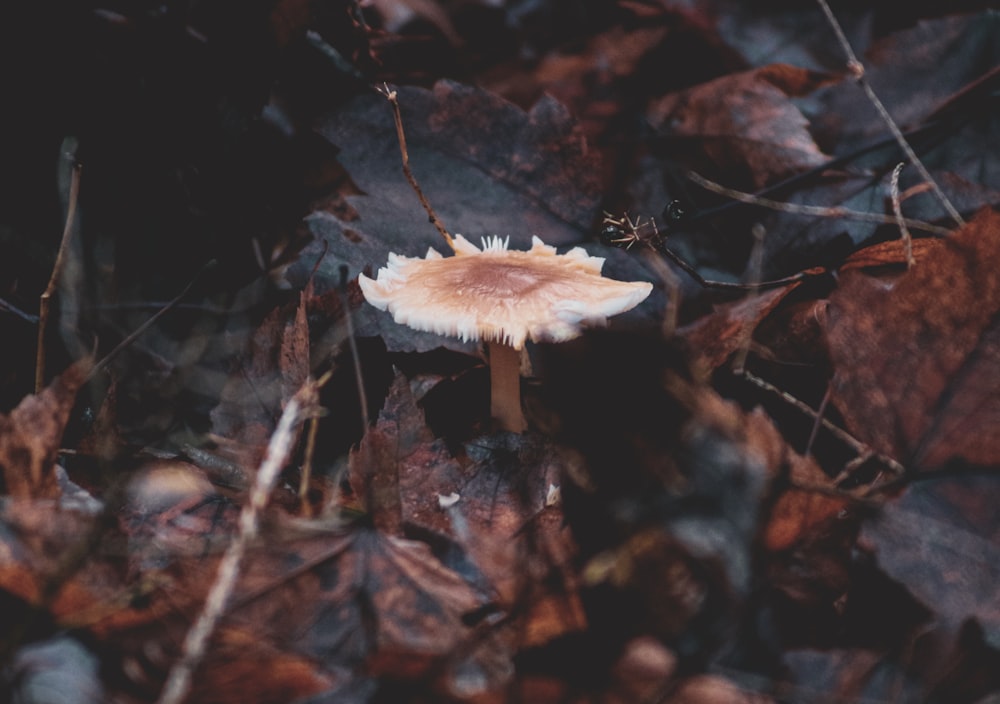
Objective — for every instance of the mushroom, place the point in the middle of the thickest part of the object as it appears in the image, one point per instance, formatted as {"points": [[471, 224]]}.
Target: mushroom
{"points": [[503, 297]]}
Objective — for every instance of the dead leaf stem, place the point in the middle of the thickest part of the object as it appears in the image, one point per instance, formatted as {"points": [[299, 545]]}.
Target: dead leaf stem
{"points": [[817, 210], [401, 136]]}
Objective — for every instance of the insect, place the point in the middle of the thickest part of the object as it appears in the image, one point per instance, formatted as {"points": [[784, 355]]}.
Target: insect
{"points": [[624, 232]]}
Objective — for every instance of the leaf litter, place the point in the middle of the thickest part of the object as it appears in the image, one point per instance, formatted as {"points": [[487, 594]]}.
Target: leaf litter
{"points": [[675, 532]]}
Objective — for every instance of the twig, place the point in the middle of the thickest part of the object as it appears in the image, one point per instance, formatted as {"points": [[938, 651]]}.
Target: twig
{"points": [[401, 136], [135, 334], [819, 416], [353, 346], [860, 448], [820, 211], [897, 209], [857, 70], [46, 297], [11, 308], [278, 449]]}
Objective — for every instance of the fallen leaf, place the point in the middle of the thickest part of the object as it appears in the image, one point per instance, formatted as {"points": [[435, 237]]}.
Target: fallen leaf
{"points": [[244, 668], [30, 436], [917, 361], [713, 338], [347, 596], [399, 453], [940, 540], [495, 507], [803, 513], [744, 125]]}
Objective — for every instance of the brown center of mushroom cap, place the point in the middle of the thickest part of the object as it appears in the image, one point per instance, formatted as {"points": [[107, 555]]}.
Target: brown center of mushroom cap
{"points": [[500, 279]]}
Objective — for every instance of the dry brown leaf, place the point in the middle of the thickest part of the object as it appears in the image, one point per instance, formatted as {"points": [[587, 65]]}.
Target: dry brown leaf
{"points": [[246, 669], [745, 124], [917, 362], [495, 507], [713, 338], [30, 436]]}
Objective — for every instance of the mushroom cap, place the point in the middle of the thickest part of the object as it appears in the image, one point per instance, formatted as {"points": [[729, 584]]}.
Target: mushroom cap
{"points": [[501, 295]]}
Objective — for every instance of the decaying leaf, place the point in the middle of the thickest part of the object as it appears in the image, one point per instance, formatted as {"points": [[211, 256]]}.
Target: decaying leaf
{"points": [[30, 436], [352, 596], [917, 361], [715, 337], [939, 539], [496, 506], [745, 123]]}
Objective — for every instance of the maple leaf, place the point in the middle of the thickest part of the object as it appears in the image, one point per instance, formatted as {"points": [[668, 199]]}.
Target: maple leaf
{"points": [[356, 598], [917, 361]]}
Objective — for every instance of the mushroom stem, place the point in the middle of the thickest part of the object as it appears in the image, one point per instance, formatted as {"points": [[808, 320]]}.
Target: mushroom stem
{"points": [[505, 387]]}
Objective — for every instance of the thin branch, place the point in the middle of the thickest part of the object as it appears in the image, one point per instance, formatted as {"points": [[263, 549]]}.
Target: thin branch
{"points": [[401, 136], [857, 70], [897, 210], [46, 297], [11, 308], [278, 450], [815, 210], [860, 448], [135, 334]]}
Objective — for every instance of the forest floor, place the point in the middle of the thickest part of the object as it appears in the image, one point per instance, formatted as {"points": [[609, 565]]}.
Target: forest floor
{"points": [[228, 477]]}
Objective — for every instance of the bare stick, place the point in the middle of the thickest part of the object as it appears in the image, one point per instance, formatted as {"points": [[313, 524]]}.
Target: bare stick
{"points": [[897, 209], [860, 448], [401, 136], [857, 70], [46, 298], [195, 644], [135, 334], [819, 211], [11, 308]]}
